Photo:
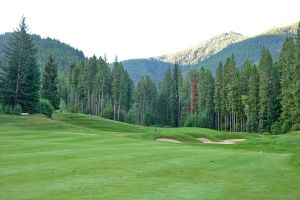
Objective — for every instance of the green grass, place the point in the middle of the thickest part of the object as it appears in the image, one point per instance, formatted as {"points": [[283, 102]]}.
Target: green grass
{"points": [[74, 156]]}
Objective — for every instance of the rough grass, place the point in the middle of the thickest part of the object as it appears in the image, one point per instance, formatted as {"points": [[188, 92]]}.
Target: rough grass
{"points": [[76, 156]]}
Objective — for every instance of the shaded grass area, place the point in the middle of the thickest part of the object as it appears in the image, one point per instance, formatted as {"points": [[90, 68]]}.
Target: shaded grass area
{"points": [[74, 156]]}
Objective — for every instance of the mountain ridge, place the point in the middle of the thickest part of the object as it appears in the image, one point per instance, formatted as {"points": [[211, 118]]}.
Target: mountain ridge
{"points": [[202, 50]]}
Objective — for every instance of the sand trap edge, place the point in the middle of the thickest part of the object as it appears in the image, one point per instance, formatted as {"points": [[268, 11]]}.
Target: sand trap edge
{"points": [[228, 141], [168, 140]]}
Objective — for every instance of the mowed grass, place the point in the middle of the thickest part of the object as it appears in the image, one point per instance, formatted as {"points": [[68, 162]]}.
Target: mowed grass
{"points": [[74, 156]]}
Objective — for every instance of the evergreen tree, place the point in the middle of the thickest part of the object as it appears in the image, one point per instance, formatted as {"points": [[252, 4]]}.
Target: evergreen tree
{"points": [[164, 100], [244, 85], [296, 80], [231, 94], [116, 77], [268, 90], [22, 76], [205, 99], [252, 100], [49, 88], [287, 62], [145, 95], [218, 95], [175, 97], [2, 82], [103, 78]]}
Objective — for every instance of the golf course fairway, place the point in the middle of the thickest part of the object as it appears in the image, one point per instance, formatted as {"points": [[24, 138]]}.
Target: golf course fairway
{"points": [[76, 156]]}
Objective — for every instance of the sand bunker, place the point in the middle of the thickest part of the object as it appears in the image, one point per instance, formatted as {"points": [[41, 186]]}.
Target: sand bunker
{"points": [[228, 141], [167, 140]]}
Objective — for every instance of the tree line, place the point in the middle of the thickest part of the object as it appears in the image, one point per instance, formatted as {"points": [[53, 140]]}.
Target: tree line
{"points": [[262, 97], [91, 87]]}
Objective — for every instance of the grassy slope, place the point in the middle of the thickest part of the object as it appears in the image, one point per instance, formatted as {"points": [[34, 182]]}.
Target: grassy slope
{"points": [[84, 157]]}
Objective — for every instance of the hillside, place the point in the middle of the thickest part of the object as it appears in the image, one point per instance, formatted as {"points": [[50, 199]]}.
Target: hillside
{"points": [[63, 53], [213, 51], [150, 67], [250, 49], [203, 50]]}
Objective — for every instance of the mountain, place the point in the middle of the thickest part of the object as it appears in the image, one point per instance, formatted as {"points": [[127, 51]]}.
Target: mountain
{"points": [[147, 67], [251, 48], [63, 53], [289, 30], [203, 50], [213, 51], [207, 54]]}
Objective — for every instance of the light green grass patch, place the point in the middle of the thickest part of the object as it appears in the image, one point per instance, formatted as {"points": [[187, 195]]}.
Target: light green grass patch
{"points": [[75, 156]]}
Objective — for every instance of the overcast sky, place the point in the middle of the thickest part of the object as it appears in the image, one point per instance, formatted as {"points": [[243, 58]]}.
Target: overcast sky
{"points": [[144, 28]]}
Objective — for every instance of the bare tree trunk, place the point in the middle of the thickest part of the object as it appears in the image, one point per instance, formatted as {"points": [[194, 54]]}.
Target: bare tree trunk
{"points": [[119, 111], [17, 85], [102, 92], [115, 109]]}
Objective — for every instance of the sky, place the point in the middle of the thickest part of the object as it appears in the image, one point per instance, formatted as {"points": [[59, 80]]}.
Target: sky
{"points": [[144, 28]]}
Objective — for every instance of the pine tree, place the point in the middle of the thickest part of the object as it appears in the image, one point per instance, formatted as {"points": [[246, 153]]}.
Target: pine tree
{"points": [[2, 82], [209, 105], [244, 76], [268, 90], [287, 61], [116, 75], [49, 88], [205, 99], [175, 97], [218, 95], [145, 95], [251, 107], [103, 78], [296, 80], [22, 75], [164, 100], [231, 94]]}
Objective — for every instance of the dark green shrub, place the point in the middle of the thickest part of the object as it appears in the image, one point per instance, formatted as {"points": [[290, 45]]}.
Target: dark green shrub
{"points": [[296, 127], [11, 110], [131, 117], [278, 128], [108, 113], [44, 106], [17, 110], [191, 121], [149, 119]]}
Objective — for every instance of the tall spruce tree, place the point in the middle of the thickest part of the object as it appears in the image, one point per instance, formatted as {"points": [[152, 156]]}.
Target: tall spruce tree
{"points": [[205, 99], [231, 94], [252, 100], [145, 95], [2, 82], [287, 62], [164, 100], [268, 92], [49, 88], [22, 76], [296, 80], [218, 95], [116, 78], [175, 96], [244, 76]]}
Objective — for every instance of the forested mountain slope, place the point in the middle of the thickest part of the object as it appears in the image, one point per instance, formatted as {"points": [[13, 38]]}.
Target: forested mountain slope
{"points": [[203, 50], [243, 49], [251, 48], [147, 67], [63, 53]]}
